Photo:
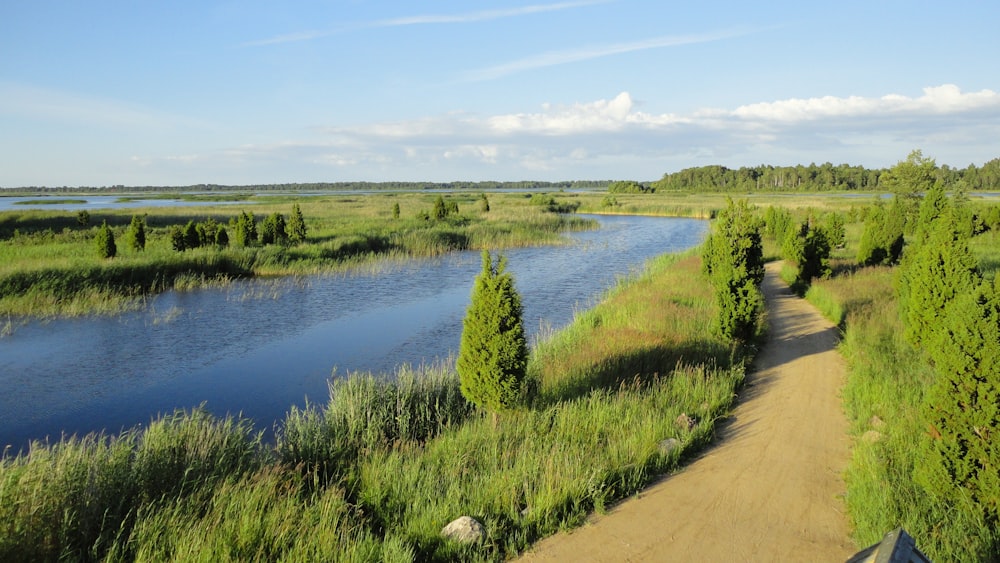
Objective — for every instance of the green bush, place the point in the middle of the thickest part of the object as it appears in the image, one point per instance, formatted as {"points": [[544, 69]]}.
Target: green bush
{"points": [[493, 353], [733, 258], [105, 242]]}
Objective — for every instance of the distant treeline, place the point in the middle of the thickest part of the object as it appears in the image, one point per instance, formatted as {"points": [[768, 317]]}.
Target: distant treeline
{"points": [[330, 186], [822, 177]]}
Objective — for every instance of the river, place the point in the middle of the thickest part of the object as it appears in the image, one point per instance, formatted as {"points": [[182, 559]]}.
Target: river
{"points": [[257, 347]]}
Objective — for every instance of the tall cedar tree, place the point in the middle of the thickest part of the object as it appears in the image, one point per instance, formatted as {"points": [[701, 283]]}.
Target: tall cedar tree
{"points": [[105, 242], [296, 225], [961, 450], [734, 261], [938, 270], [137, 233], [493, 354]]}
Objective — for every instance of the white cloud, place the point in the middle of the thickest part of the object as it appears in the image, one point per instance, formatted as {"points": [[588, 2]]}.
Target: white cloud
{"points": [[613, 138], [938, 100]]}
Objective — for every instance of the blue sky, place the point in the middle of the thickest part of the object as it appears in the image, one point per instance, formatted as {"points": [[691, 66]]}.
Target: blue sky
{"points": [[184, 92]]}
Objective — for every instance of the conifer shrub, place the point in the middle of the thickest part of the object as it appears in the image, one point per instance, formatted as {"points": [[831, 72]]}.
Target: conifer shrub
{"points": [[939, 270], [297, 225], [882, 238], [105, 242], [493, 353], [733, 258], [136, 234], [961, 450]]}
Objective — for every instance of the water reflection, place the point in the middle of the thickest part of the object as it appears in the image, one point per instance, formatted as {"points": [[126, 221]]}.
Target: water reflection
{"points": [[260, 346]]}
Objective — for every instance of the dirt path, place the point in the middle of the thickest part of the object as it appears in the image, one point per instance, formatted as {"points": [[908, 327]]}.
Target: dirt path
{"points": [[771, 487]]}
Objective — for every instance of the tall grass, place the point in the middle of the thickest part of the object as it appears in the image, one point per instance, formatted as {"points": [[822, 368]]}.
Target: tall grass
{"points": [[375, 473], [882, 397], [48, 265]]}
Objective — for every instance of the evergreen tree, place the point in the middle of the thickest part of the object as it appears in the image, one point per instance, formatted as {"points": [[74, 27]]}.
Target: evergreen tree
{"points": [[733, 259], [440, 210], [244, 229], [192, 239], [177, 239], [136, 235], [961, 451], [296, 226], [882, 239], [221, 237], [273, 230], [395, 210], [484, 204], [105, 242], [939, 270], [493, 354]]}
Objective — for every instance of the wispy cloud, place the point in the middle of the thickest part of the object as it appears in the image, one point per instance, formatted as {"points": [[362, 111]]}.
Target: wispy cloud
{"points": [[426, 19], [24, 100], [553, 58]]}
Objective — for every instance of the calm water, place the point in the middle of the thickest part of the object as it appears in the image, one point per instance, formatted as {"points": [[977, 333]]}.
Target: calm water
{"points": [[260, 346]]}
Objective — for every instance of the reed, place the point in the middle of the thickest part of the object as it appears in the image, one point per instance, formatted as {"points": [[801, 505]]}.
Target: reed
{"points": [[48, 266], [375, 473]]}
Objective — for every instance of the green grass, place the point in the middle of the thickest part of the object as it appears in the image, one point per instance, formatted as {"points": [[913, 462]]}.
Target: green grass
{"points": [[375, 473], [50, 201], [887, 379], [49, 266]]}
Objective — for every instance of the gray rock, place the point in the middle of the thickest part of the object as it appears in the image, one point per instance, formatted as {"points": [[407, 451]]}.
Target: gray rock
{"points": [[669, 445], [685, 422], [464, 530]]}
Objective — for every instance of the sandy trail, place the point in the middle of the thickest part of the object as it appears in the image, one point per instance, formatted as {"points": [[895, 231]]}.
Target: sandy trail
{"points": [[770, 489]]}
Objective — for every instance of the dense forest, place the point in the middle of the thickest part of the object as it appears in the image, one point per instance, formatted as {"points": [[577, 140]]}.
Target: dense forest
{"points": [[822, 177]]}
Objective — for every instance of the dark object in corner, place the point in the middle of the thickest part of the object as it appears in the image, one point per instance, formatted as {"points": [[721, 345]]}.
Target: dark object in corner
{"points": [[896, 547]]}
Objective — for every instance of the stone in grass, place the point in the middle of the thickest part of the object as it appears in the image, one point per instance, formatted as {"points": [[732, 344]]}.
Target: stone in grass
{"points": [[667, 446], [685, 422], [465, 529]]}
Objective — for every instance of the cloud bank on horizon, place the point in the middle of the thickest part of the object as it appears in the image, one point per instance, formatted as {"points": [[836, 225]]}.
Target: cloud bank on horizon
{"points": [[588, 89]]}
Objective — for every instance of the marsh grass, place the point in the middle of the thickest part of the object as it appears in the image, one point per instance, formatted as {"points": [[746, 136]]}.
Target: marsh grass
{"points": [[48, 265], [375, 473]]}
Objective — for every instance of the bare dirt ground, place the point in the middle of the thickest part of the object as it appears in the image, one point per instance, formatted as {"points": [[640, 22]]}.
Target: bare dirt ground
{"points": [[770, 489]]}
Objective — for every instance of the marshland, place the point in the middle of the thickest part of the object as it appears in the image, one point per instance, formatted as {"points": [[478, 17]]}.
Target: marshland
{"points": [[372, 471]]}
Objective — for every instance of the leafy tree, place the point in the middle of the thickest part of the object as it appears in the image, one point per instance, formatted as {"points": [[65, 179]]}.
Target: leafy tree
{"points": [[136, 234], [628, 187], [493, 354], [105, 241], [296, 225], [909, 179], [83, 217]]}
